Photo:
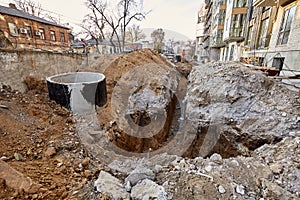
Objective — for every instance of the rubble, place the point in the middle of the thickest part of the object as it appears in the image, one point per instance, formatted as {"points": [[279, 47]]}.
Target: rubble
{"points": [[236, 110], [110, 185], [148, 189]]}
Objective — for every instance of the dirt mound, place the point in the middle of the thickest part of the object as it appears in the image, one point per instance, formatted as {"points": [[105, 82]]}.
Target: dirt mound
{"points": [[127, 62], [37, 139], [114, 72]]}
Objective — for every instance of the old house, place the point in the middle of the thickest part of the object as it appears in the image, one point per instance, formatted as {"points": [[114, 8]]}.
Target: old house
{"points": [[19, 29]]}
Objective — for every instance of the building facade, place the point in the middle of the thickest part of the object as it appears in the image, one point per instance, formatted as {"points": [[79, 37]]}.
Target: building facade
{"points": [[217, 41], [273, 36], [234, 29], [207, 50], [19, 29], [199, 50], [259, 32]]}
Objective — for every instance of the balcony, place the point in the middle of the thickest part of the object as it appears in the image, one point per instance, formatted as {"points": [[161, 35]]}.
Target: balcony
{"points": [[218, 43], [235, 34], [265, 3], [200, 30]]}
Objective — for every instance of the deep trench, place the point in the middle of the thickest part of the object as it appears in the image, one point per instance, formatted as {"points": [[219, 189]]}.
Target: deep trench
{"points": [[230, 143]]}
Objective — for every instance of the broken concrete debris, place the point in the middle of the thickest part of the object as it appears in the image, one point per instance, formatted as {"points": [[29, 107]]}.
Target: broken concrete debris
{"points": [[110, 185], [140, 173], [236, 110], [148, 189]]}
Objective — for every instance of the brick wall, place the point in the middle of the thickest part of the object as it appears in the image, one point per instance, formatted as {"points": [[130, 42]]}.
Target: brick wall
{"points": [[15, 66]]}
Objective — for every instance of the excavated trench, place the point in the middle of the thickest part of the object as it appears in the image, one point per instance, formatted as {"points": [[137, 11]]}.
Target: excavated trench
{"points": [[229, 137], [226, 143], [143, 118], [208, 138], [222, 108]]}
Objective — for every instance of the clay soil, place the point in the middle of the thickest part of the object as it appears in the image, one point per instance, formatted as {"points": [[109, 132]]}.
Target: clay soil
{"points": [[38, 139]]}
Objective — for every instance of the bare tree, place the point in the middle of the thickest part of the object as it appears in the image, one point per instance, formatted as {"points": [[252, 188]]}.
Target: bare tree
{"points": [[29, 6], [116, 17], [101, 10], [131, 11], [94, 27], [158, 36], [134, 33]]}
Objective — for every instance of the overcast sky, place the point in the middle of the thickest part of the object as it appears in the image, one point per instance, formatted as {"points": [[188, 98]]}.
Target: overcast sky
{"points": [[175, 15]]}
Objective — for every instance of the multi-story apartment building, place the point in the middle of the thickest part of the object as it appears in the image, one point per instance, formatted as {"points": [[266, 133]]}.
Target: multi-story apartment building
{"points": [[234, 29], [224, 28], [262, 32], [19, 29], [273, 35]]}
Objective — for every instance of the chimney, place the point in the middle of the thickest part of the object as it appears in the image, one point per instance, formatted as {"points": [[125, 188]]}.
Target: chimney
{"points": [[12, 5]]}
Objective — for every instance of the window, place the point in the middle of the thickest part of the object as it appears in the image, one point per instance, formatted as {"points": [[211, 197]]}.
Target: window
{"points": [[231, 52], [286, 24], [223, 56], [62, 37], [222, 17], [29, 31], [13, 29], [42, 34], [227, 51], [249, 36], [218, 37], [237, 25], [222, 2], [240, 3], [262, 35], [52, 36]]}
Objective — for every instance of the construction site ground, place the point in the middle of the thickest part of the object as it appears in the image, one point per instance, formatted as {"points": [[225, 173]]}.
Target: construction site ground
{"points": [[43, 157]]}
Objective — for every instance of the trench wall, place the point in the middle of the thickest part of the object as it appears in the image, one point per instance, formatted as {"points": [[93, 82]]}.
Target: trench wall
{"points": [[16, 65]]}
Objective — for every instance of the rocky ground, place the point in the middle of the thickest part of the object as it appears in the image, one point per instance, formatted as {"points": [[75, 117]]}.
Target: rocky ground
{"points": [[232, 133]]}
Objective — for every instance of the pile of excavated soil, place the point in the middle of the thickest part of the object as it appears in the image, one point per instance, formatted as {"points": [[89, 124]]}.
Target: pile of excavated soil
{"points": [[37, 139], [120, 68]]}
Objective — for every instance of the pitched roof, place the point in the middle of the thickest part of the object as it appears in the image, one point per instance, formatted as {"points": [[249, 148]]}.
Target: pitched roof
{"points": [[22, 14]]}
